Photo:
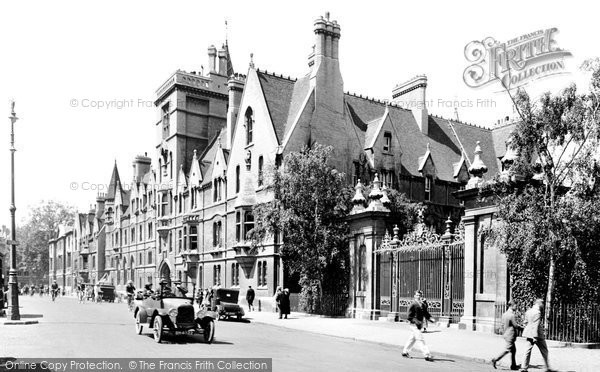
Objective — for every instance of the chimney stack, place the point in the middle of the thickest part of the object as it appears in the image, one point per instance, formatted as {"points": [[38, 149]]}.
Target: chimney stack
{"points": [[141, 166], [212, 59], [411, 95], [223, 61]]}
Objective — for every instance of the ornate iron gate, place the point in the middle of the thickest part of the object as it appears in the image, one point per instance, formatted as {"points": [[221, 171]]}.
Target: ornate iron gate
{"points": [[429, 262]]}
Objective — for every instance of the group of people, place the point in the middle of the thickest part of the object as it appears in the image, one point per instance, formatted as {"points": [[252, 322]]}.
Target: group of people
{"points": [[533, 332], [282, 299], [33, 289], [418, 316]]}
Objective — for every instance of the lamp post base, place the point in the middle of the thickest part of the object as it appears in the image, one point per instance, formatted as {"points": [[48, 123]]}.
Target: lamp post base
{"points": [[12, 312]]}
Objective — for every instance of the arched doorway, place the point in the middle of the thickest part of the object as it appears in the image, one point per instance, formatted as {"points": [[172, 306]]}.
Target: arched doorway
{"points": [[165, 273]]}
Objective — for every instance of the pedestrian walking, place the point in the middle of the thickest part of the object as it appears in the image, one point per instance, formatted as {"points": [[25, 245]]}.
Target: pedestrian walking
{"points": [[277, 300], [425, 306], [510, 336], [416, 315], [534, 332], [250, 298], [284, 304]]}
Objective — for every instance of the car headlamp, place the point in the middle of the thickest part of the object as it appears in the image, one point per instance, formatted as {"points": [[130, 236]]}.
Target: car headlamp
{"points": [[173, 312]]}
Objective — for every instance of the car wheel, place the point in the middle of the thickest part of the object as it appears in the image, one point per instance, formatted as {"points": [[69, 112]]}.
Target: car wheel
{"points": [[239, 317], [209, 331], [138, 323], [157, 329]]}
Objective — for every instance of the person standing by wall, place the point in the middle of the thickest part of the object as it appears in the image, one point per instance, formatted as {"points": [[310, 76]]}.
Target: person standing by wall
{"points": [[416, 316], [534, 332], [510, 336], [277, 300]]}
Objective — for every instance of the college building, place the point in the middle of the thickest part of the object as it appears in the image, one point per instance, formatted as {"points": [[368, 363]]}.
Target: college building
{"points": [[185, 214]]}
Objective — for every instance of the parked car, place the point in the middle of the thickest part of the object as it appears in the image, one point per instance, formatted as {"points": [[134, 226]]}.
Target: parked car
{"points": [[166, 313], [226, 303]]}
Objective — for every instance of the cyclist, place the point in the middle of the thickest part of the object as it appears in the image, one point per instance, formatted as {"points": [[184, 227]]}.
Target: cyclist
{"points": [[130, 290], [54, 289]]}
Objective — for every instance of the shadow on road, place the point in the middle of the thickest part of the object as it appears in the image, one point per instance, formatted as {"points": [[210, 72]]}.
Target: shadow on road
{"points": [[31, 316]]}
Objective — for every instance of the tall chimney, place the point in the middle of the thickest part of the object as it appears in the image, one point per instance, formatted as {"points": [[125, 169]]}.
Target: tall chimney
{"points": [[212, 59], [223, 61], [411, 95], [236, 88], [141, 166]]}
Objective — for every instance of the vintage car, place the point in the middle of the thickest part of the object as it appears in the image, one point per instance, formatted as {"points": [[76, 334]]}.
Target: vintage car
{"points": [[166, 313], [226, 303]]}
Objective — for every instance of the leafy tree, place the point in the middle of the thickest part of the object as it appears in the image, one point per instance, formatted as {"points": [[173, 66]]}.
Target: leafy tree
{"points": [[309, 205], [41, 226], [548, 220]]}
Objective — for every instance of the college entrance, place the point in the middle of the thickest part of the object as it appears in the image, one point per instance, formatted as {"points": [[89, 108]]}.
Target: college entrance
{"points": [[424, 261]]}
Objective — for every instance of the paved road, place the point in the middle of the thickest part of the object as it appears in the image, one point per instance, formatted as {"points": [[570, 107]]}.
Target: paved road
{"points": [[69, 329]]}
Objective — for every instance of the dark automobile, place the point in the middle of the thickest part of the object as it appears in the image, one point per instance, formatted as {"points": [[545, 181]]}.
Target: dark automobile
{"points": [[166, 313], [226, 303]]}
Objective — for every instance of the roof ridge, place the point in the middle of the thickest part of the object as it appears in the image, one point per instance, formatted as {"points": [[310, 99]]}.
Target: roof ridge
{"points": [[279, 76]]}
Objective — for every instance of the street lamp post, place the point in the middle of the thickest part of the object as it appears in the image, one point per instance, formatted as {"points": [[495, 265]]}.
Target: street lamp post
{"points": [[13, 308]]}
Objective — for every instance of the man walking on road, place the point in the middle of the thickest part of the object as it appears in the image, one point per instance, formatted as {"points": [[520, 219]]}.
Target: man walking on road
{"points": [[416, 315], [250, 298], [534, 332], [510, 336]]}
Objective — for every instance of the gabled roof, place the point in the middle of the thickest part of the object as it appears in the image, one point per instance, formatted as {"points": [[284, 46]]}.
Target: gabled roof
{"points": [[278, 92], [114, 181], [445, 148], [374, 129]]}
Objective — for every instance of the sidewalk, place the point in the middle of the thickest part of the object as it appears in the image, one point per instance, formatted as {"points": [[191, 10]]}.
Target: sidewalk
{"points": [[443, 342]]}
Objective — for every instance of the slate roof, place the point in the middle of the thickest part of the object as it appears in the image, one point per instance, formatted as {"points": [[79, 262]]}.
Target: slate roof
{"points": [[278, 92], [444, 146]]}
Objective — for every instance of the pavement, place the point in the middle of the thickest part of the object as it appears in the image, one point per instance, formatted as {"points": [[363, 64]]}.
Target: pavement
{"points": [[443, 342], [70, 330]]}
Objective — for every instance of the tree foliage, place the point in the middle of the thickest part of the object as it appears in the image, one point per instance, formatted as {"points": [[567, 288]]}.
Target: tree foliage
{"points": [[549, 215], [309, 205], [40, 226]]}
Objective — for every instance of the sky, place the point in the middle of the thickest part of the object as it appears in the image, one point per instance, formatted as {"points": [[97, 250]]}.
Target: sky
{"points": [[60, 58]]}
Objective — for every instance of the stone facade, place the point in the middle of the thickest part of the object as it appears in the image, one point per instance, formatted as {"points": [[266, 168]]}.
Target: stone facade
{"points": [[185, 214]]}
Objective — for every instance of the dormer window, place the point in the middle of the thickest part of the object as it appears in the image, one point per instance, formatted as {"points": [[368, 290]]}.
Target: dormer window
{"points": [[387, 142], [428, 185], [249, 125]]}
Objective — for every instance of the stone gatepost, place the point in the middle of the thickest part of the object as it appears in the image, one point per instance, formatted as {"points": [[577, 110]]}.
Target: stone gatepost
{"points": [[367, 229]]}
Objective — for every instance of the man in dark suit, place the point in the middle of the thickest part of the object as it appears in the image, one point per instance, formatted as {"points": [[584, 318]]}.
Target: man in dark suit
{"points": [[417, 314], [534, 332], [510, 336], [250, 298]]}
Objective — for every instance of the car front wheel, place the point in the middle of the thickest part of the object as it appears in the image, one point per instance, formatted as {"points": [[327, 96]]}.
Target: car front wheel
{"points": [[157, 329], [138, 323], [209, 331]]}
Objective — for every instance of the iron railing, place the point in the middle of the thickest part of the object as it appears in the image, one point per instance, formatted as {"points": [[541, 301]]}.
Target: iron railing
{"points": [[567, 323]]}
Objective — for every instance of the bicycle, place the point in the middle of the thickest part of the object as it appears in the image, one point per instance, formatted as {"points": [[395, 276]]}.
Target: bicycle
{"points": [[130, 302], [54, 294]]}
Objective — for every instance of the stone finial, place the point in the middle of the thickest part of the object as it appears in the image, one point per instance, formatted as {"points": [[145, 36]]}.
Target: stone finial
{"points": [[384, 199], [358, 195], [396, 232], [477, 169], [376, 193], [251, 60], [375, 196], [358, 200], [327, 15], [195, 154]]}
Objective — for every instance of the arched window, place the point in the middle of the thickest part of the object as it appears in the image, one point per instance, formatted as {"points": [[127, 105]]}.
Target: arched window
{"points": [[238, 226], [249, 124], [260, 170], [149, 258]]}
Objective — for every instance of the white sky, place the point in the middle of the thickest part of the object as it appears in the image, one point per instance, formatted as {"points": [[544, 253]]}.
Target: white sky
{"points": [[55, 51]]}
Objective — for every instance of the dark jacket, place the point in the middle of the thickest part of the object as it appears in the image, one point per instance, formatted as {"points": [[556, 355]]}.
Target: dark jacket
{"points": [[510, 325], [284, 303], [250, 295], [417, 313]]}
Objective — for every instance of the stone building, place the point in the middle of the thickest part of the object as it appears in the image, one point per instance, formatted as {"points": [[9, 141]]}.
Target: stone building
{"points": [[187, 217]]}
